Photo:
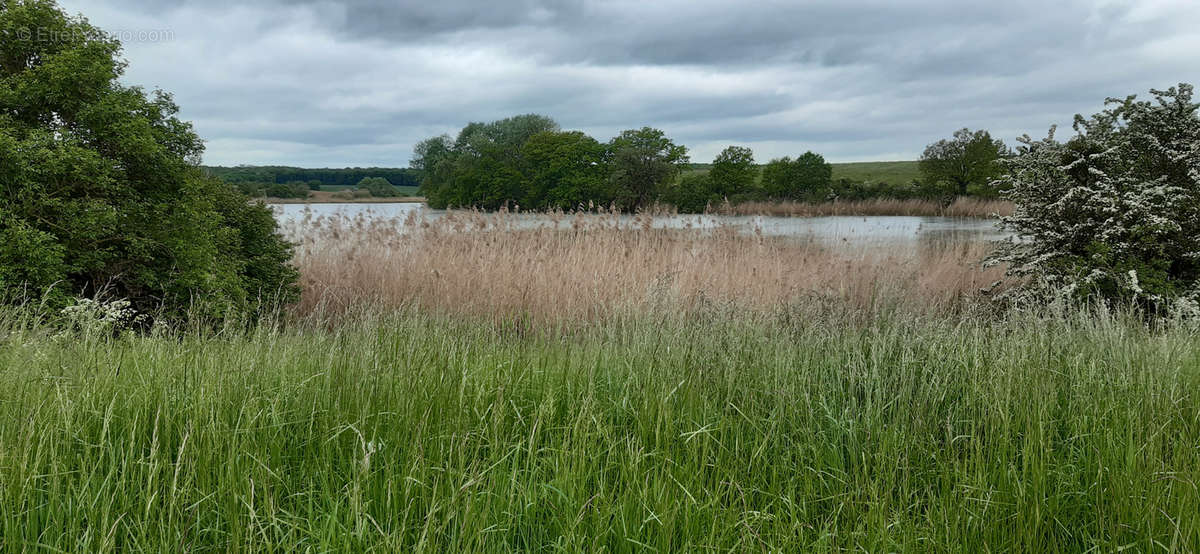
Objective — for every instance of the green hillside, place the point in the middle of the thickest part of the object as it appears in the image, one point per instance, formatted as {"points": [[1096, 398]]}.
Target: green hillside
{"points": [[876, 172]]}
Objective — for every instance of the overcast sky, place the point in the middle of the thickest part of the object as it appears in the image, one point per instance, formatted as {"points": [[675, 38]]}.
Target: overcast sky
{"points": [[323, 83]]}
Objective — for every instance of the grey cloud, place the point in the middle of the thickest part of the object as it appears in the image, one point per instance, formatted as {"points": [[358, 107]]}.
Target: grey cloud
{"points": [[322, 82]]}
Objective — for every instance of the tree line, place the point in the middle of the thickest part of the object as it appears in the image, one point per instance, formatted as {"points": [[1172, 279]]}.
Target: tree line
{"points": [[296, 182], [529, 161]]}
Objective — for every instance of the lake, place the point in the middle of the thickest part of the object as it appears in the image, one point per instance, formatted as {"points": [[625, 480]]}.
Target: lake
{"points": [[858, 230]]}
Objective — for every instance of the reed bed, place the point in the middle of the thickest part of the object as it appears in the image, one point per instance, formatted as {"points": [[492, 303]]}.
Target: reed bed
{"points": [[591, 267], [485, 383], [960, 207]]}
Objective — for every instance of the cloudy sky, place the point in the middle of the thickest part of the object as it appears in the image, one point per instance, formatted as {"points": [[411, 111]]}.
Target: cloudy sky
{"points": [[326, 83]]}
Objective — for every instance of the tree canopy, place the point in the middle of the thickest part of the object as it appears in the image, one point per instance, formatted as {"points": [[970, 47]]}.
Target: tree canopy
{"points": [[970, 158], [101, 189], [808, 177], [528, 162]]}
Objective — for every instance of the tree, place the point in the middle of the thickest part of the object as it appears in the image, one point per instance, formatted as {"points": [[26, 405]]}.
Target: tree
{"points": [[1113, 213], [968, 159], [480, 168], [564, 170], [733, 171], [378, 187], [643, 161], [808, 177], [694, 193], [101, 187]]}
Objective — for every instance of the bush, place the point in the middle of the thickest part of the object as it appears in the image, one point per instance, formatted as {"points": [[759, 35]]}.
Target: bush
{"points": [[102, 189], [378, 186], [805, 178], [290, 190], [695, 193], [1113, 214]]}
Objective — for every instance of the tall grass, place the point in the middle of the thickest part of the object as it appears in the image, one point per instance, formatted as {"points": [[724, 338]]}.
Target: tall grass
{"points": [[587, 268], [399, 431], [475, 384], [961, 207]]}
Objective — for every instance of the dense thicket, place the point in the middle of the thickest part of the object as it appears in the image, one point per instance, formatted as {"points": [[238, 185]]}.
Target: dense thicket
{"points": [[100, 187], [527, 161], [1114, 212]]}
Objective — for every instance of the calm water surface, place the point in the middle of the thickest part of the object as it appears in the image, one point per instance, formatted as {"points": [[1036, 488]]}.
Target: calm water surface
{"points": [[833, 229]]}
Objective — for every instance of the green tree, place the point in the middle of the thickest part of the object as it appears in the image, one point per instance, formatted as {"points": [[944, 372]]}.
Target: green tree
{"points": [[101, 187], [643, 162], [733, 171], [482, 167], [808, 177], [1113, 213], [565, 170], [694, 193], [378, 187], [968, 159]]}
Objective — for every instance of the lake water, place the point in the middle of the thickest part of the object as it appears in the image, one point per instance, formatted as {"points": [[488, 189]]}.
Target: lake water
{"points": [[862, 230]]}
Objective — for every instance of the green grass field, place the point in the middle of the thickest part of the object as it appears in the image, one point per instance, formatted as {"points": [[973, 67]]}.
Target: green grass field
{"points": [[710, 432], [895, 173]]}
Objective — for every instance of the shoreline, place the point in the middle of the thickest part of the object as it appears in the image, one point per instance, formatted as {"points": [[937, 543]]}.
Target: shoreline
{"points": [[370, 200]]}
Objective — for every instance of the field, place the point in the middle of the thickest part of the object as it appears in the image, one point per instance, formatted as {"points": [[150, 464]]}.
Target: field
{"points": [[895, 173], [470, 385]]}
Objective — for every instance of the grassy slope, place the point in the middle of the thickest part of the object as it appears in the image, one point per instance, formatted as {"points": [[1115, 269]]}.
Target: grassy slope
{"points": [[412, 433], [874, 172]]}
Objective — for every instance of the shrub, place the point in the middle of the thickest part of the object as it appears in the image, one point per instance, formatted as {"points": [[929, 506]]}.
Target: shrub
{"points": [[1114, 213], [102, 191], [695, 193], [378, 186]]}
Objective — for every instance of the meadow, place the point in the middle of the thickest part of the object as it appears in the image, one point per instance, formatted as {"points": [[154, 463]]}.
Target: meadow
{"points": [[896, 172], [471, 385]]}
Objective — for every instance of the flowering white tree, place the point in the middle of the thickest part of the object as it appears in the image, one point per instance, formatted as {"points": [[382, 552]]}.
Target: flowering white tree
{"points": [[1114, 212]]}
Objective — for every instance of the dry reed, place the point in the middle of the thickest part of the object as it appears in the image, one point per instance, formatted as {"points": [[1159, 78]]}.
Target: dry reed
{"points": [[589, 267], [961, 207]]}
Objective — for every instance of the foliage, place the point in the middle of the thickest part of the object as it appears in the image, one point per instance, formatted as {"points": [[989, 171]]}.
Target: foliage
{"points": [[101, 189], [482, 167], [280, 190], [807, 178], [694, 193], [969, 159], [1114, 212], [528, 162], [733, 172], [564, 170], [378, 187], [314, 178], [644, 161]]}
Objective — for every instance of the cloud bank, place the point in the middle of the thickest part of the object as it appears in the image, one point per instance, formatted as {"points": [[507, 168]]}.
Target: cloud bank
{"points": [[318, 83]]}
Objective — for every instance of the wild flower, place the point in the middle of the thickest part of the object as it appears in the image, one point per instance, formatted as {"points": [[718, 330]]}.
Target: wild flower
{"points": [[1113, 213], [89, 315]]}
